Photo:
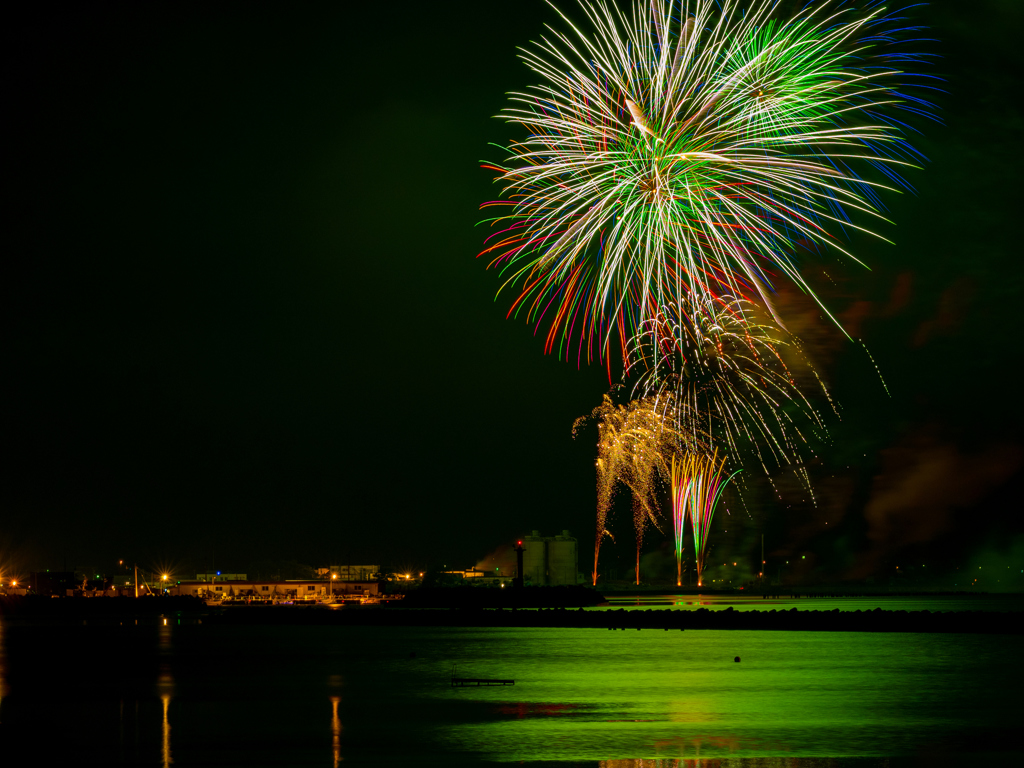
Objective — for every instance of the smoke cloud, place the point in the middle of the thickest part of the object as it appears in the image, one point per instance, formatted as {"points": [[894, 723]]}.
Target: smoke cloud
{"points": [[925, 486]]}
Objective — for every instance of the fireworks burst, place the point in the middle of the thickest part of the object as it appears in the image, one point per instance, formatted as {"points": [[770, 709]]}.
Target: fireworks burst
{"points": [[678, 161], [685, 152], [725, 368]]}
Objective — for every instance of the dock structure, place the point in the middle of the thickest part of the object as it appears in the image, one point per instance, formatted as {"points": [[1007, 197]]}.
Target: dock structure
{"points": [[462, 682], [1009, 622], [459, 682]]}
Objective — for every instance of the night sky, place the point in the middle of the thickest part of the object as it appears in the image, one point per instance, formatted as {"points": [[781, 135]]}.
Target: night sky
{"points": [[245, 321]]}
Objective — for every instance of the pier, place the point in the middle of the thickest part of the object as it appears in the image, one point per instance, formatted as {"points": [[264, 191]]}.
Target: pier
{"points": [[460, 682]]}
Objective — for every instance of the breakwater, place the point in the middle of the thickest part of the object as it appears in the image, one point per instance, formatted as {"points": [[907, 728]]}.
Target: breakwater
{"points": [[973, 622], [410, 615]]}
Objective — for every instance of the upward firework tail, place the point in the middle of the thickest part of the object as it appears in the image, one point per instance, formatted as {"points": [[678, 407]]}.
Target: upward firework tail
{"points": [[680, 489], [697, 485]]}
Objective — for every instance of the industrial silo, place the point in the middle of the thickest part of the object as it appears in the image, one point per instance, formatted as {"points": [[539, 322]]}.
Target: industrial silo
{"points": [[535, 559], [562, 564], [549, 560]]}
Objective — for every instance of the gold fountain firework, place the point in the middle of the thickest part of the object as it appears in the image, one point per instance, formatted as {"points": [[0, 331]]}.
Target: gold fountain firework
{"points": [[636, 443]]}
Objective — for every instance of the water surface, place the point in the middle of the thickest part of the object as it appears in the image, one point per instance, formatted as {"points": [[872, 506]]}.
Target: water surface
{"points": [[200, 694]]}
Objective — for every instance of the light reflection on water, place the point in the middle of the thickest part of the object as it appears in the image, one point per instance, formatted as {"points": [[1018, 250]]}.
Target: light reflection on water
{"points": [[335, 730], [3, 667], [165, 685], [215, 695], [165, 752]]}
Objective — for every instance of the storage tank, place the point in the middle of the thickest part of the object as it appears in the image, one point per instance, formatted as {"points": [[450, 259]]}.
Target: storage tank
{"points": [[549, 560], [535, 559], [562, 563]]}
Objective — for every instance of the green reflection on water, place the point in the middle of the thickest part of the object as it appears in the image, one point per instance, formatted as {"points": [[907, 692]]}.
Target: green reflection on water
{"points": [[592, 695]]}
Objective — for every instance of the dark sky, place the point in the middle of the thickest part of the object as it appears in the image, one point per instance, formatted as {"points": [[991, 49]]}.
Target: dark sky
{"points": [[244, 319]]}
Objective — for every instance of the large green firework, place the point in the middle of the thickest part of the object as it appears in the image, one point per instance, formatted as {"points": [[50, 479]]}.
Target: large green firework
{"points": [[688, 152]]}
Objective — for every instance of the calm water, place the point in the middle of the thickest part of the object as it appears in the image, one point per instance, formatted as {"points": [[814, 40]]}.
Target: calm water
{"points": [[198, 694]]}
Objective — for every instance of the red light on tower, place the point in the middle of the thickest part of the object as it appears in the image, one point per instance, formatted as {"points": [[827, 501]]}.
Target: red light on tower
{"points": [[517, 580]]}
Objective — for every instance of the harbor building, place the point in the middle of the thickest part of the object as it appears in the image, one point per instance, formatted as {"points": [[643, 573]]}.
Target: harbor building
{"points": [[289, 589], [353, 572], [218, 576]]}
